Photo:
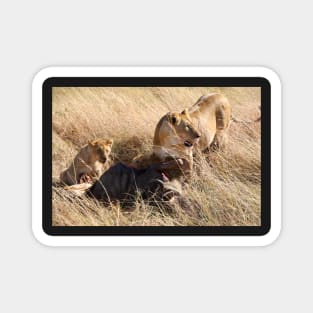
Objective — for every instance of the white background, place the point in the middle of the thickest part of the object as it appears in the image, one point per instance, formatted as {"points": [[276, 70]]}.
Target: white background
{"points": [[156, 71], [36, 34]]}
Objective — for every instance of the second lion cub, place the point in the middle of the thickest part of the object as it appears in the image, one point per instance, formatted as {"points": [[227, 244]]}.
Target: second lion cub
{"points": [[90, 162]]}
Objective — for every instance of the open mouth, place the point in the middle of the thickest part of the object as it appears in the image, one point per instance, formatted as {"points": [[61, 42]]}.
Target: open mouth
{"points": [[188, 144]]}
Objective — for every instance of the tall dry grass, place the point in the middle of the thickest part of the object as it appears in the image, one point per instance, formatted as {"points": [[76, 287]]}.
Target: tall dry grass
{"points": [[226, 184]]}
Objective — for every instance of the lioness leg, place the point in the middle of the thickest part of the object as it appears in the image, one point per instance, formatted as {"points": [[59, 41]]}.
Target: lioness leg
{"points": [[221, 140], [223, 114]]}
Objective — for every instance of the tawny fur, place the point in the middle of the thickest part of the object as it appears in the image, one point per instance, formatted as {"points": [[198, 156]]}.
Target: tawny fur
{"points": [[90, 163], [174, 137], [209, 117]]}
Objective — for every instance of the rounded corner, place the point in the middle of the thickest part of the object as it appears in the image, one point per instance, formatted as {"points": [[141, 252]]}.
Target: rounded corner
{"points": [[41, 236], [270, 75], [271, 236], [43, 75]]}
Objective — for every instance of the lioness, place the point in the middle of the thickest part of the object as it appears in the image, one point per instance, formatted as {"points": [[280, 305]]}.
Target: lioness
{"points": [[174, 136], [90, 163], [208, 119]]}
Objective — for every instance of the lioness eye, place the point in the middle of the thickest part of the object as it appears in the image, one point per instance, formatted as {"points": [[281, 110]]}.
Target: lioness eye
{"points": [[187, 127]]}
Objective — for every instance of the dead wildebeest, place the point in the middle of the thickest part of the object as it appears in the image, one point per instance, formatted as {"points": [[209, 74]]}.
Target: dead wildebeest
{"points": [[124, 183]]}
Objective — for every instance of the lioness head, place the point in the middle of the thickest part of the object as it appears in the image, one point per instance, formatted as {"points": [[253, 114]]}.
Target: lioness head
{"points": [[181, 130], [101, 148]]}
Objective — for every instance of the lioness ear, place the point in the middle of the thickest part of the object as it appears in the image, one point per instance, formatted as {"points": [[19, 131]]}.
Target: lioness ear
{"points": [[175, 119], [185, 112], [201, 98], [110, 142]]}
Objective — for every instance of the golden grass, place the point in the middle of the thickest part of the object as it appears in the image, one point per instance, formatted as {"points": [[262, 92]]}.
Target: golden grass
{"points": [[226, 184]]}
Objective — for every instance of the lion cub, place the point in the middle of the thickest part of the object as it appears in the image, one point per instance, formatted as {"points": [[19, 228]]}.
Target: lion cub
{"points": [[90, 162]]}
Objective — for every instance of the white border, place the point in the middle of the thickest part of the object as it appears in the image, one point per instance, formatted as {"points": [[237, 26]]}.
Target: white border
{"points": [[270, 75]]}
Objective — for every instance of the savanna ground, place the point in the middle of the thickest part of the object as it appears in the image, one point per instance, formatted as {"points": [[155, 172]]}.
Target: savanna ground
{"points": [[226, 184]]}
